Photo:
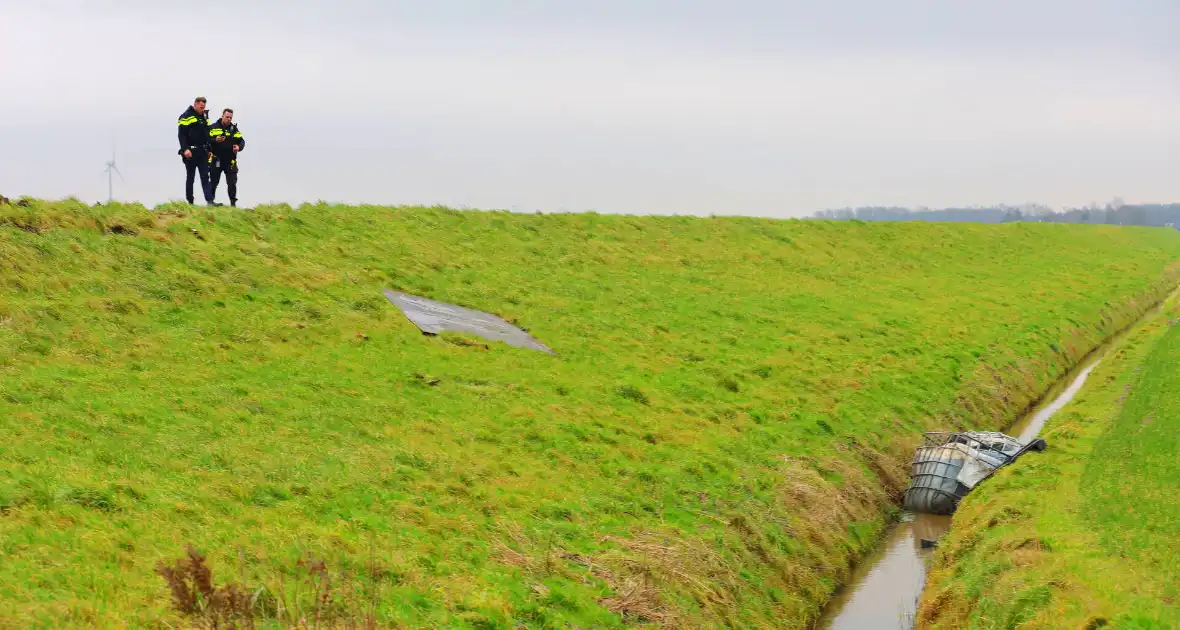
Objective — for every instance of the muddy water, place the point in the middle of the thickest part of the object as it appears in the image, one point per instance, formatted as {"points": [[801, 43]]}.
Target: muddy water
{"points": [[884, 589], [1030, 425]]}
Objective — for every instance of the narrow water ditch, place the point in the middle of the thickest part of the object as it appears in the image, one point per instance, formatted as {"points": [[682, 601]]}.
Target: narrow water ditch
{"points": [[884, 588]]}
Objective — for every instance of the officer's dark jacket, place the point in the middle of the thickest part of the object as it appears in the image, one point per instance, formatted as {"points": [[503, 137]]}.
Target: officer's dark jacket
{"points": [[232, 136], [192, 131]]}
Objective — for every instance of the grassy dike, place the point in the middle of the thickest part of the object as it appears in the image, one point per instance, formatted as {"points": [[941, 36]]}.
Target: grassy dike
{"points": [[723, 430], [1083, 535]]}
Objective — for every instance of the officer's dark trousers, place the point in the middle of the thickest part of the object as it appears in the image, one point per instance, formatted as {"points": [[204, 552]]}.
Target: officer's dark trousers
{"points": [[229, 166], [192, 166]]}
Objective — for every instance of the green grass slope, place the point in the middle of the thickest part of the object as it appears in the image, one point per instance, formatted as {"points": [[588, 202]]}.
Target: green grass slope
{"points": [[1083, 535], [723, 429]]}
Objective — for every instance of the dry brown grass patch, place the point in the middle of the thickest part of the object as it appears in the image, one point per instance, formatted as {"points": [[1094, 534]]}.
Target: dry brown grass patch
{"points": [[932, 609], [643, 567], [335, 602]]}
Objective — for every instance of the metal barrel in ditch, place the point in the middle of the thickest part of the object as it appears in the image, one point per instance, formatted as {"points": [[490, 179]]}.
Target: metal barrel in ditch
{"points": [[948, 465]]}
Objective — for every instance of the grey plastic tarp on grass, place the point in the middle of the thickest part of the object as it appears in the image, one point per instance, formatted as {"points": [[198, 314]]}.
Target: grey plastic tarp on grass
{"points": [[433, 317]]}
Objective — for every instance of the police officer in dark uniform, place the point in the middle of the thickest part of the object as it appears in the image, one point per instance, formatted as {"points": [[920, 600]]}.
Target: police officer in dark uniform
{"points": [[225, 141], [193, 134]]}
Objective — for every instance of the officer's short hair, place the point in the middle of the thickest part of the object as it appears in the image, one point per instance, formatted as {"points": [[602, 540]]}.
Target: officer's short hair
{"points": [[227, 110], [200, 99]]}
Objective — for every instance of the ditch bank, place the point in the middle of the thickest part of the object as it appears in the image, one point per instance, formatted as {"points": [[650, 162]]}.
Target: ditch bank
{"points": [[885, 588], [1082, 536]]}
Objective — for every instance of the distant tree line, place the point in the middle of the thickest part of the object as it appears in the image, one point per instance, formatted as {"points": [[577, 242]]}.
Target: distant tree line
{"points": [[1113, 213]]}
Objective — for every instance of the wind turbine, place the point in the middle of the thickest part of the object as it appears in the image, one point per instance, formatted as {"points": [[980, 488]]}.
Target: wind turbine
{"points": [[112, 169]]}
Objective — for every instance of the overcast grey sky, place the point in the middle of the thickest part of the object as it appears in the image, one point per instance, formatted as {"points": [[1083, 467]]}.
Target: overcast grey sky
{"points": [[767, 107]]}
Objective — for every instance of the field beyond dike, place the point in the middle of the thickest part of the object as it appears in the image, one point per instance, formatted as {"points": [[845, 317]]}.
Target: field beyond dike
{"points": [[214, 415]]}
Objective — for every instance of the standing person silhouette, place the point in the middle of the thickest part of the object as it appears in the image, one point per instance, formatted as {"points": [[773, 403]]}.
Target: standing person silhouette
{"points": [[193, 135], [225, 141]]}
